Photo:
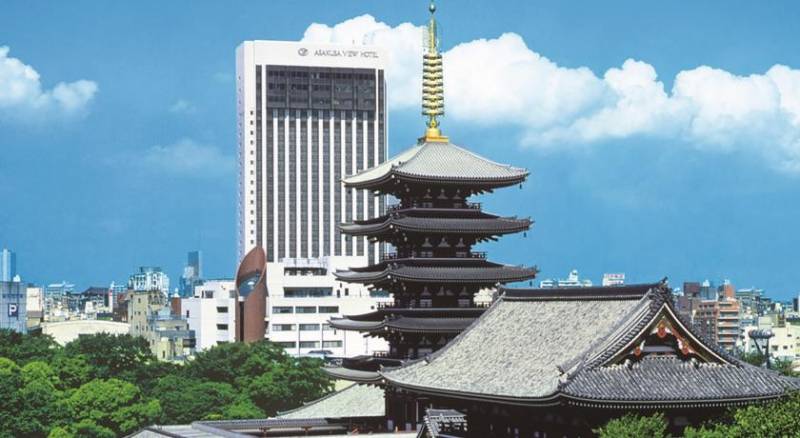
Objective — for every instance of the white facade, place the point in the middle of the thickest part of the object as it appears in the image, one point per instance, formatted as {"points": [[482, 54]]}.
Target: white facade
{"points": [[211, 313], [35, 298], [308, 115], [572, 280], [614, 279], [304, 295], [149, 278], [785, 344]]}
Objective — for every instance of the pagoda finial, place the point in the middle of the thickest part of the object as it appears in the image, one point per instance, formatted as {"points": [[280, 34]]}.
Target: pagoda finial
{"points": [[432, 81]]}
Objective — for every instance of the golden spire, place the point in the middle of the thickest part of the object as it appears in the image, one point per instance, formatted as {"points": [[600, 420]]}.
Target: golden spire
{"points": [[432, 82]]}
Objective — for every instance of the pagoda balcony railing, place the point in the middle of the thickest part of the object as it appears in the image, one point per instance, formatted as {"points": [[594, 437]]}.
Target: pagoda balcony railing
{"points": [[393, 306], [458, 255], [395, 207]]}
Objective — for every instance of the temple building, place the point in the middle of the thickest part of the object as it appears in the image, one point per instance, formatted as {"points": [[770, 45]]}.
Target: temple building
{"points": [[547, 362]]}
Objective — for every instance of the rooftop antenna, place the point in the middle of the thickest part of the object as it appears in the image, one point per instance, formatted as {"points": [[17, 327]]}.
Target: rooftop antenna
{"points": [[432, 82]]}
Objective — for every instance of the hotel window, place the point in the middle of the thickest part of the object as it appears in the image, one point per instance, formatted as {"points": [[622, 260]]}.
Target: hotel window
{"points": [[309, 344], [222, 309], [222, 326], [332, 344], [309, 327], [306, 309], [282, 309], [328, 309], [287, 344], [282, 327]]}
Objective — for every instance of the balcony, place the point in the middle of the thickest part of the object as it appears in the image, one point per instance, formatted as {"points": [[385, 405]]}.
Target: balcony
{"points": [[459, 255]]}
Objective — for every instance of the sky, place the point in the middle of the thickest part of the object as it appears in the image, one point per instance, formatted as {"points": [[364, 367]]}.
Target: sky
{"points": [[663, 138]]}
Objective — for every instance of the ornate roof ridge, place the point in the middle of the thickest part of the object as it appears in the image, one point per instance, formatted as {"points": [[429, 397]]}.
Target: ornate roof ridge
{"points": [[626, 292]]}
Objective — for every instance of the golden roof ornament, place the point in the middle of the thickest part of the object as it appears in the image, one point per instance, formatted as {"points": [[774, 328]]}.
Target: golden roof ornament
{"points": [[432, 82]]}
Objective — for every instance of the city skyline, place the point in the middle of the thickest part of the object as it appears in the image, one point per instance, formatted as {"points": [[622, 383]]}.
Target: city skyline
{"points": [[109, 187]]}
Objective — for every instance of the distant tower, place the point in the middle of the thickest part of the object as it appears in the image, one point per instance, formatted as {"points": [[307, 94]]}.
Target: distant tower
{"points": [[8, 265], [192, 274], [251, 297]]}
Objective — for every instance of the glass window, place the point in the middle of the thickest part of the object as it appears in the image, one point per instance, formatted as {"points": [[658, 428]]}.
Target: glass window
{"points": [[222, 326], [309, 344], [306, 292], [306, 309], [328, 309], [286, 344], [282, 309], [222, 309], [309, 327], [282, 327], [331, 344]]}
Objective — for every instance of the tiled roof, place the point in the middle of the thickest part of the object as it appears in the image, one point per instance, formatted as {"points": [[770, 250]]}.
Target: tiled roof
{"points": [[490, 226], [444, 162], [540, 346], [354, 401], [353, 375], [482, 273], [405, 324]]}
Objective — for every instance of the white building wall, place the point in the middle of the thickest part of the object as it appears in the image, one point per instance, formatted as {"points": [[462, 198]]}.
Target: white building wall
{"points": [[348, 299], [211, 313]]}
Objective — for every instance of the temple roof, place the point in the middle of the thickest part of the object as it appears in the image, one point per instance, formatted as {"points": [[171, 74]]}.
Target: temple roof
{"points": [[490, 225], [440, 162], [423, 312], [354, 401], [353, 375], [431, 270], [587, 346]]}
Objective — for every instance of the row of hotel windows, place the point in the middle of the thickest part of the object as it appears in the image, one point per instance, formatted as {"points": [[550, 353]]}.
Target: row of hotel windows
{"points": [[303, 327], [305, 309], [311, 344]]}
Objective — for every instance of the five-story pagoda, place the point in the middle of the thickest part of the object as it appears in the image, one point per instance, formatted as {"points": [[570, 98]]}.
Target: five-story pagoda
{"points": [[434, 273]]}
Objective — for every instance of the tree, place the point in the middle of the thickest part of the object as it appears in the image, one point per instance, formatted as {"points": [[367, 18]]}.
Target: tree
{"points": [[117, 356], [113, 404], [10, 381], [73, 371], [23, 348], [185, 400], [634, 426]]}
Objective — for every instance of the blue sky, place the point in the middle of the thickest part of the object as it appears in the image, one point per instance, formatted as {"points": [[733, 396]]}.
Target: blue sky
{"points": [[682, 162]]}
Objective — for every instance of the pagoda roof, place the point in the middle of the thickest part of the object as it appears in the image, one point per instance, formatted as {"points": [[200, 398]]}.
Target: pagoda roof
{"points": [[419, 312], [406, 324], [596, 346], [353, 375], [422, 270], [482, 225], [438, 162], [353, 401]]}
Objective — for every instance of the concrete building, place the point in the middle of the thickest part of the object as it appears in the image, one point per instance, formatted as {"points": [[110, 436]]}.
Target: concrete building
{"points": [[149, 278], [65, 332], [617, 279], [308, 115], [210, 313], [169, 336], [8, 265], [572, 280], [34, 305], [304, 295], [13, 301]]}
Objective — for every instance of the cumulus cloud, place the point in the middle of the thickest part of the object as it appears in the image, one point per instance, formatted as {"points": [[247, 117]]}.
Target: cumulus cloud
{"points": [[186, 157], [22, 96], [502, 81]]}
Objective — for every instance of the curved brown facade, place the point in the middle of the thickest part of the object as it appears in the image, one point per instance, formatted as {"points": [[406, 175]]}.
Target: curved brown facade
{"points": [[251, 296]]}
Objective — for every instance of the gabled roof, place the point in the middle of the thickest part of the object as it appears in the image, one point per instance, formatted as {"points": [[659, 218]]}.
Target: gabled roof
{"points": [[352, 401], [438, 162], [594, 346]]}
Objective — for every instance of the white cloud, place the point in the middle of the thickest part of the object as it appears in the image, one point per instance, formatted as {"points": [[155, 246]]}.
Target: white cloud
{"points": [[182, 106], [501, 81], [22, 96], [188, 158]]}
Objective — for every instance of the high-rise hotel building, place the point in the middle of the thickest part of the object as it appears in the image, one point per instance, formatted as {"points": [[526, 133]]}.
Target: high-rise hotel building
{"points": [[308, 115]]}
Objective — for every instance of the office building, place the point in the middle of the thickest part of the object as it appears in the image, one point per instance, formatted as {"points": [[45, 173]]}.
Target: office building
{"points": [[192, 274], [168, 335], [149, 278], [34, 304], [572, 280], [614, 279], [308, 115], [304, 295], [13, 301], [8, 265], [211, 313], [251, 297]]}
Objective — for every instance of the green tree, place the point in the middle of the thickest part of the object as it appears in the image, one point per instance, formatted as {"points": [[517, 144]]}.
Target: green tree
{"points": [[634, 426], [185, 400], [117, 356], [10, 381], [113, 404], [242, 409], [23, 348], [73, 371]]}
